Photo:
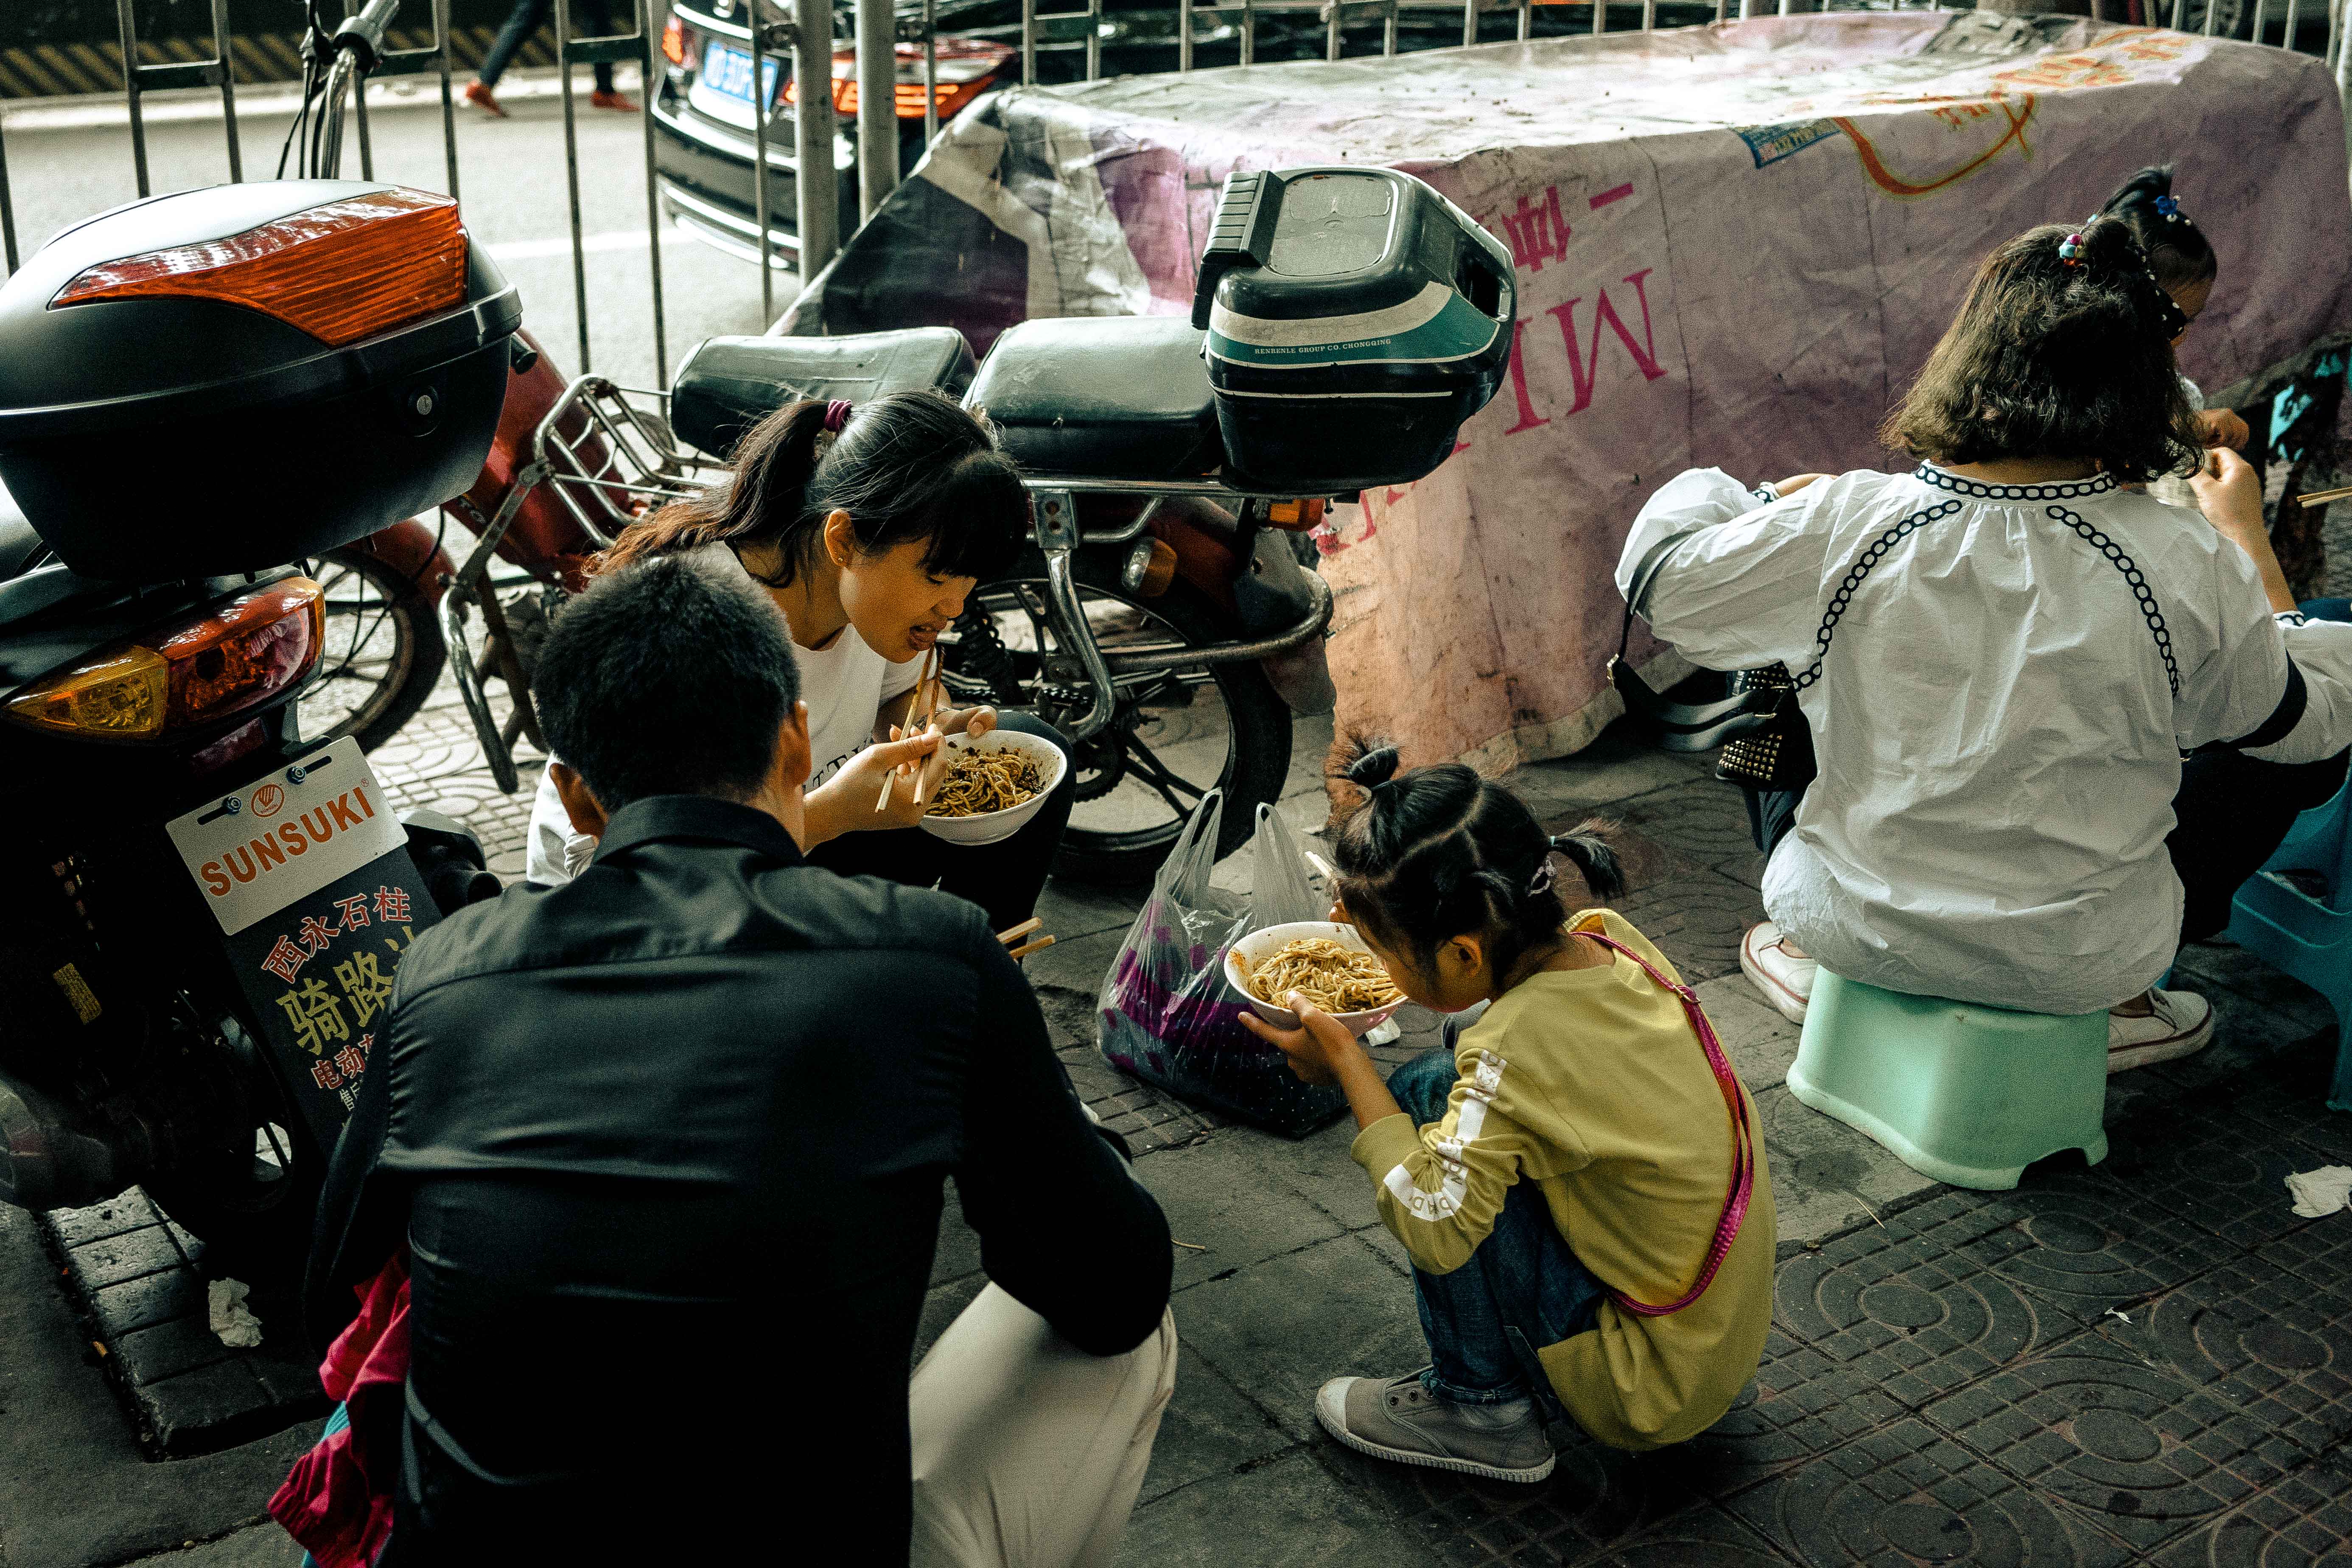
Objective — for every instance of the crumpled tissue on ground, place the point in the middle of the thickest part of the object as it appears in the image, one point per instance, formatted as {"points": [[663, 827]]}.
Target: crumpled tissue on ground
{"points": [[235, 1325], [2321, 1192]]}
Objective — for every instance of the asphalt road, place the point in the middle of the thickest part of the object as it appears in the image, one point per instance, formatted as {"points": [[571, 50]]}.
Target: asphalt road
{"points": [[511, 183]]}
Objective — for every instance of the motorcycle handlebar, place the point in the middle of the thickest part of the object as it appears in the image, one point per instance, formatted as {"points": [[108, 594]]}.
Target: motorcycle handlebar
{"points": [[363, 35]]}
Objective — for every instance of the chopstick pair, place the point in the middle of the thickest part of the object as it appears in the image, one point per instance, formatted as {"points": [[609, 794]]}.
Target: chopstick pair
{"points": [[2321, 498], [924, 688], [1023, 929]]}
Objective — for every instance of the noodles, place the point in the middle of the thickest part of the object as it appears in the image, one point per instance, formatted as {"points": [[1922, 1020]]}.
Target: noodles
{"points": [[1333, 977], [977, 782]]}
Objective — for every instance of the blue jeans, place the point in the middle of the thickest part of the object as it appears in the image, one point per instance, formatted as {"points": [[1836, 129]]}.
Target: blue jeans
{"points": [[524, 22], [1522, 1288]]}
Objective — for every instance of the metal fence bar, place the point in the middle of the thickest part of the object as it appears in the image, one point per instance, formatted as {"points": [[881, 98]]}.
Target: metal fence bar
{"points": [[763, 107], [1719, 11], [1601, 17], [2335, 30], [1649, 15], [7, 217], [228, 91], [2343, 57], [1184, 35], [1094, 40], [1469, 22], [2292, 6], [1526, 19], [1389, 30], [813, 183], [648, 82], [2258, 19], [449, 111], [1249, 30], [571, 177], [2212, 15], [877, 105], [931, 72], [1331, 30], [2179, 14], [359, 105], [130, 29]]}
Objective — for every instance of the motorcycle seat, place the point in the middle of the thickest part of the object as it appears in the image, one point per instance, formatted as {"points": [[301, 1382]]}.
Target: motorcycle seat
{"points": [[18, 541], [1102, 397], [729, 384]]}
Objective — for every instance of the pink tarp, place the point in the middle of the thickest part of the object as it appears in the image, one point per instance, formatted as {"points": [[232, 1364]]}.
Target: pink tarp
{"points": [[1734, 245]]}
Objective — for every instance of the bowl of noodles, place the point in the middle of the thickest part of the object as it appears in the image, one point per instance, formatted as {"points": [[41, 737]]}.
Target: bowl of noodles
{"points": [[994, 786], [1327, 964]]}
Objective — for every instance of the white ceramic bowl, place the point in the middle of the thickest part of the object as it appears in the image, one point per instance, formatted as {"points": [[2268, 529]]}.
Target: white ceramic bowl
{"points": [[990, 827], [1261, 945]]}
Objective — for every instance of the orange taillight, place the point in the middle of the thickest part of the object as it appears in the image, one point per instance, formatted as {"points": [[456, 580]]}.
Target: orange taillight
{"points": [[340, 272], [673, 40], [1297, 516], [189, 673]]}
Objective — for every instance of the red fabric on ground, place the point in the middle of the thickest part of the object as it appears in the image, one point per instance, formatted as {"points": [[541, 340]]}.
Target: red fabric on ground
{"points": [[337, 1500]]}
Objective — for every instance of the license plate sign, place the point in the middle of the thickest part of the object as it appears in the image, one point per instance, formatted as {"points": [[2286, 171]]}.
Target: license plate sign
{"points": [[727, 71], [290, 833]]}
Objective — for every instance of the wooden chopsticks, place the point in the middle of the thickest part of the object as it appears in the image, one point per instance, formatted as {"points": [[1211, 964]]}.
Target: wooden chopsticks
{"points": [[924, 688], [2321, 498], [1023, 929]]}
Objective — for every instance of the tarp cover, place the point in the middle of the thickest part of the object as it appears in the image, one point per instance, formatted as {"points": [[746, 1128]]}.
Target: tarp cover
{"points": [[1734, 245]]}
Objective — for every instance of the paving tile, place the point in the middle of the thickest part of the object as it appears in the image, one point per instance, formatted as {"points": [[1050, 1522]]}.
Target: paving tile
{"points": [[1236, 1223], [1760, 1043], [2301, 1520], [1614, 769], [1800, 1405], [1703, 820], [1210, 1429], [130, 1211], [2099, 1429], [2084, 1243], [1916, 1317], [2272, 1343], [1696, 919], [147, 1300], [1826, 1177], [207, 1408], [1282, 1327], [1290, 1511], [1905, 1495], [2206, 1162], [151, 1355], [1707, 1538], [116, 1258]]}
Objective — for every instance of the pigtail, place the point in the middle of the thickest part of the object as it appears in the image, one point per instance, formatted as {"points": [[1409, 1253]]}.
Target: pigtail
{"points": [[2177, 251], [1594, 859], [768, 476]]}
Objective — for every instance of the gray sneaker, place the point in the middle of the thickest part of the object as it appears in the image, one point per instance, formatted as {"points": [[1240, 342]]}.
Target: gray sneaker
{"points": [[1399, 1419]]}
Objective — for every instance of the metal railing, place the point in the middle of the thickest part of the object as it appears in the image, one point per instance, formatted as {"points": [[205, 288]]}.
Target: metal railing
{"points": [[806, 33]]}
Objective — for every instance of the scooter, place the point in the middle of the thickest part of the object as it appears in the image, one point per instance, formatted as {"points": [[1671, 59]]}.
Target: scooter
{"points": [[204, 908]]}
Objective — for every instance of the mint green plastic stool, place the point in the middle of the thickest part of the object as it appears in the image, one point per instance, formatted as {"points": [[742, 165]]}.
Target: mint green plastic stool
{"points": [[1968, 1095]]}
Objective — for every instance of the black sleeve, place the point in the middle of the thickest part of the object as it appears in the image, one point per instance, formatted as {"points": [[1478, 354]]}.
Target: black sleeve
{"points": [[362, 1218], [1062, 1227]]}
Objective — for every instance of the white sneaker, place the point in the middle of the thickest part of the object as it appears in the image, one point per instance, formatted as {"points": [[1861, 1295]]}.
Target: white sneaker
{"points": [[1786, 980], [2180, 1024]]}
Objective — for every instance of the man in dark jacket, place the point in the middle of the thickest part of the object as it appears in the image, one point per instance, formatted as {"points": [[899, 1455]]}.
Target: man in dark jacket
{"points": [[668, 1146]]}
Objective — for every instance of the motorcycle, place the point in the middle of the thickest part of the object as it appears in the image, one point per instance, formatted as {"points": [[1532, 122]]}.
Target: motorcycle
{"points": [[205, 909]]}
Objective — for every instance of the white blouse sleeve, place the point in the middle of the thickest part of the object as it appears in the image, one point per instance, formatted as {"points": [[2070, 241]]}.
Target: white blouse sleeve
{"points": [[2321, 651], [1729, 584], [2233, 693]]}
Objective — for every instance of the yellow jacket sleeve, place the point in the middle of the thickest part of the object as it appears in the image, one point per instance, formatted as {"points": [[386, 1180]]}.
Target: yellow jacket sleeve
{"points": [[1439, 1187]]}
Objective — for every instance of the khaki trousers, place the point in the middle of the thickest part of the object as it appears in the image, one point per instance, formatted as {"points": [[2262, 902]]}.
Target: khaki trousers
{"points": [[1028, 1452]]}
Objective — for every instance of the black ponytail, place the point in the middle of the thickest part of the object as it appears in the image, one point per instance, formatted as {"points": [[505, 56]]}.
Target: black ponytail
{"points": [[911, 466], [1438, 852], [2177, 249]]}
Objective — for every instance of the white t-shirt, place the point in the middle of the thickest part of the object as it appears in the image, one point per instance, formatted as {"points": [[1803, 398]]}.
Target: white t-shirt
{"points": [[843, 683], [2010, 675]]}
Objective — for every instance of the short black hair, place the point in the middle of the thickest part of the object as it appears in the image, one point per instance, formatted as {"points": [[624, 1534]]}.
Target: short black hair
{"points": [[2062, 349], [669, 676]]}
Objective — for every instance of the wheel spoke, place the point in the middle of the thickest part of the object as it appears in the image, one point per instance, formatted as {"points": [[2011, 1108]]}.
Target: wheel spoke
{"points": [[1148, 766]]}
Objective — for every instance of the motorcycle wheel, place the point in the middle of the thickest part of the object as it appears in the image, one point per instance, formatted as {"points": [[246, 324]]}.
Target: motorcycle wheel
{"points": [[383, 653], [1217, 726], [252, 1215]]}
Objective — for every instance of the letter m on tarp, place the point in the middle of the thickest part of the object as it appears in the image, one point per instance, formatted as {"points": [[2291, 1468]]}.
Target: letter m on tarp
{"points": [[1583, 366]]}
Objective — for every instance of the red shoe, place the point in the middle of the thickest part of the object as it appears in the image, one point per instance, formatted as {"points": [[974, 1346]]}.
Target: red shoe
{"points": [[601, 98], [479, 93]]}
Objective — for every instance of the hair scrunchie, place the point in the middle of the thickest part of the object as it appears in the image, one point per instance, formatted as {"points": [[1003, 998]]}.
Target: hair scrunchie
{"points": [[836, 414]]}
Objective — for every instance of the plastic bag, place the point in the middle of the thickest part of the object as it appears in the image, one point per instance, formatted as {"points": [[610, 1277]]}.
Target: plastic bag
{"points": [[1166, 1013]]}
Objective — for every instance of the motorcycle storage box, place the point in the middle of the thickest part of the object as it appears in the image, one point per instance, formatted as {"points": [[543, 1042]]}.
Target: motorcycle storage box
{"points": [[228, 379], [729, 384], [1356, 317]]}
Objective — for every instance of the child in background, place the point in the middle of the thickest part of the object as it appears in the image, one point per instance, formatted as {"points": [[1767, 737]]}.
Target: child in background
{"points": [[2185, 266], [1580, 1178]]}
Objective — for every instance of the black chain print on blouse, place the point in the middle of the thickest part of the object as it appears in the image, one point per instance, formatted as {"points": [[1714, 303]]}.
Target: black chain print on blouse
{"points": [[1977, 490], [1863, 566], [2136, 579]]}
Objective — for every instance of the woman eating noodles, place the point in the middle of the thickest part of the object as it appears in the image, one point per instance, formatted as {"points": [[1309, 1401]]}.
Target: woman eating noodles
{"points": [[870, 527]]}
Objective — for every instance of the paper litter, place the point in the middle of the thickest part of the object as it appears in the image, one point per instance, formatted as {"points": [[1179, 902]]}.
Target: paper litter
{"points": [[237, 1326], [2320, 1192]]}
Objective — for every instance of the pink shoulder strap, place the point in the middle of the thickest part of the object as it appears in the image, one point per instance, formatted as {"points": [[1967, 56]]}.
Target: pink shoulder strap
{"points": [[1743, 1139]]}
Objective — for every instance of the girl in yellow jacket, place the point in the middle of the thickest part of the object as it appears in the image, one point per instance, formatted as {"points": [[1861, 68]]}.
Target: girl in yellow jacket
{"points": [[1579, 1175]]}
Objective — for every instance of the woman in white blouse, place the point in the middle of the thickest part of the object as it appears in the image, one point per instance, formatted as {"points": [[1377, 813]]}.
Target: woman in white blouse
{"points": [[2003, 655]]}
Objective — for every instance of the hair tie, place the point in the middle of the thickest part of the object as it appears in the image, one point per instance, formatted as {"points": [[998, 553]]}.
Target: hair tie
{"points": [[2170, 207], [836, 414], [2070, 250], [1541, 882]]}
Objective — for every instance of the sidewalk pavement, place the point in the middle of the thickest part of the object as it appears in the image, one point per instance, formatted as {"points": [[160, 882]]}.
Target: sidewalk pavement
{"points": [[2149, 1361]]}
